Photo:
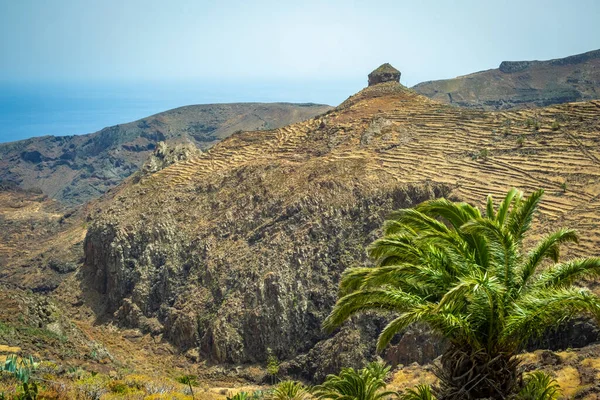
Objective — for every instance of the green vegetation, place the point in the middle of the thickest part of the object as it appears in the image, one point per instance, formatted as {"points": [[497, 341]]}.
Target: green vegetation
{"points": [[520, 140], [365, 384], [8, 330], [189, 380], [555, 126], [420, 392], [291, 390], [246, 396], [22, 369], [563, 186], [532, 123], [483, 154], [466, 274], [539, 386], [272, 366]]}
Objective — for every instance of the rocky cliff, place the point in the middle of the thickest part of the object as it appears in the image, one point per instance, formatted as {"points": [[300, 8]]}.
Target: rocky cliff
{"points": [[239, 250], [75, 169], [522, 84]]}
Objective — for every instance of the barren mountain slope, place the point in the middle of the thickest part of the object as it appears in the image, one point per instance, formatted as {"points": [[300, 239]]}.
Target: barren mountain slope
{"points": [[40, 240], [75, 169], [522, 84], [240, 250]]}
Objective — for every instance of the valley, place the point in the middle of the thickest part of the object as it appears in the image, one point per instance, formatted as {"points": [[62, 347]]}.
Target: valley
{"points": [[225, 251]]}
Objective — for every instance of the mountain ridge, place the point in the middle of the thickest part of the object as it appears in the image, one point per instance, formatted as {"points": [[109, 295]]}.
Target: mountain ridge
{"points": [[521, 84], [74, 169]]}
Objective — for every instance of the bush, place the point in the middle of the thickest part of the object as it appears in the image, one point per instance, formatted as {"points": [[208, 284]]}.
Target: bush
{"points": [[539, 386]]}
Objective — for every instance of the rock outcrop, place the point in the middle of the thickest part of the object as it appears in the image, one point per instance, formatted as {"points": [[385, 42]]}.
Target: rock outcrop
{"points": [[165, 155], [384, 73]]}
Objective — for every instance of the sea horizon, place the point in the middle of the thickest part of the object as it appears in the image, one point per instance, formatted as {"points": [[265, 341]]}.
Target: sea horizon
{"points": [[62, 108]]}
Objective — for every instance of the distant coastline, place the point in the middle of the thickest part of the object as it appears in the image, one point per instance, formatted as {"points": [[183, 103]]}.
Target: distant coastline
{"points": [[61, 109]]}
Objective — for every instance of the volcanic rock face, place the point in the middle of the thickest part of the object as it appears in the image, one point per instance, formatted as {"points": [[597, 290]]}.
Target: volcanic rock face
{"points": [[241, 248], [385, 73]]}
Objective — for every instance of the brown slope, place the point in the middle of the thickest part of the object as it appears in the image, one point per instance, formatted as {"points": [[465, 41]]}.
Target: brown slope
{"points": [[75, 169], [241, 249], [40, 240], [522, 84]]}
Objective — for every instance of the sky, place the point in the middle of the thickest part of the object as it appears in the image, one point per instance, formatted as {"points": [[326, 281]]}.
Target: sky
{"points": [[316, 42]]}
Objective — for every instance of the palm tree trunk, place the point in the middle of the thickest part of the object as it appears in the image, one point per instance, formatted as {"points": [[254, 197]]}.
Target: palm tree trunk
{"points": [[467, 374]]}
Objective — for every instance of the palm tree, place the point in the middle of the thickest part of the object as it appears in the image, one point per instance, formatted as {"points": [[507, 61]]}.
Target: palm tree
{"points": [[365, 384], [291, 390], [466, 274]]}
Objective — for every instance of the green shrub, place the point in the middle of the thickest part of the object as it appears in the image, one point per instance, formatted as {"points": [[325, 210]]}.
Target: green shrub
{"points": [[483, 154], [555, 126], [539, 386], [419, 392], [365, 384], [291, 390], [240, 396], [272, 365]]}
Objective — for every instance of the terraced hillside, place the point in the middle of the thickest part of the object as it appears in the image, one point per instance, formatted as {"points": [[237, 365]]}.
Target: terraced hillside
{"points": [[75, 169], [522, 84], [240, 249]]}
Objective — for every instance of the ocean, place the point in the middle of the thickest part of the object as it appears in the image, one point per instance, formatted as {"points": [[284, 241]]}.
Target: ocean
{"points": [[70, 108]]}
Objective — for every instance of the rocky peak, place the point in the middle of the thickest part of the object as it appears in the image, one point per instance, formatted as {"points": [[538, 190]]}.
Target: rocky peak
{"points": [[385, 73]]}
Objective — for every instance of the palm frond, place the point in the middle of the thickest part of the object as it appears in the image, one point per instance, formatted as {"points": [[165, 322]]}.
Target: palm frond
{"points": [[548, 247], [520, 221], [505, 205], [489, 209], [565, 274], [368, 300], [545, 308], [400, 324], [455, 213]]}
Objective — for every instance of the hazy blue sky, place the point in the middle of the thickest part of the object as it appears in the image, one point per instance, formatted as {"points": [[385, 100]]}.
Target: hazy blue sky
{"points": [[282, 40]]}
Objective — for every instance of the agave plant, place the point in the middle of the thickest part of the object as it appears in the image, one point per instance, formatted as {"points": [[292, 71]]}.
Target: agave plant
{"points": [[365, 384], [22, 369], [239, 396], [291, 390], [466, 274]]}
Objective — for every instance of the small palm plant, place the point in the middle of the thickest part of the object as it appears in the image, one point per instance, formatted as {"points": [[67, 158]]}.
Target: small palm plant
{"points": [[239, 396], [466, 274], [539, 386], [365, 384], [420, 392], [291, 390]]}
